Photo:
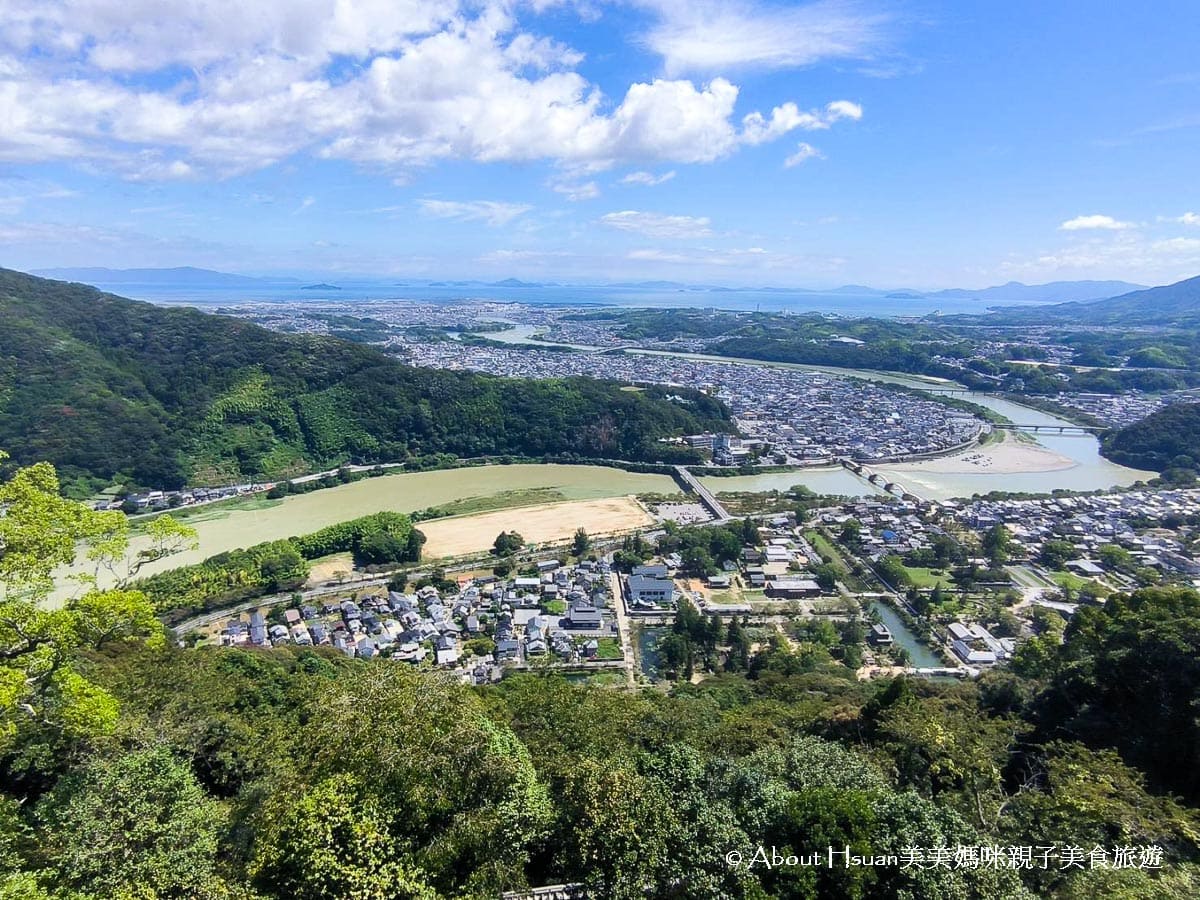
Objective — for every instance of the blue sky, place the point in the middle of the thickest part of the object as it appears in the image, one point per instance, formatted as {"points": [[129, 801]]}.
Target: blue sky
{"points": [[922, 144]]}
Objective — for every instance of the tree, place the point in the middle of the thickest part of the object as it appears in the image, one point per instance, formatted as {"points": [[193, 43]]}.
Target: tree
{"points": [[338, 841], [507, 542], [382, 548], [1127, 676], [826, 576], [1056, 553], [449, 786], [1116, 558], [891, 569], [851, 533], [283, 569], [699, 562], [136, 822], [41, 684], [997, 543], [581, 542]]}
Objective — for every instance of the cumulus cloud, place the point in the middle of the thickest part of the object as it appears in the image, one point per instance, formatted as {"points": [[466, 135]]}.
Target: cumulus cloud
{"points": [[219, 88], [1124, 253], [756, 128], [1095, 222], [657, 225], [489, 212], [706, 35], [649, 179], [1188, 218], [804, 152]]}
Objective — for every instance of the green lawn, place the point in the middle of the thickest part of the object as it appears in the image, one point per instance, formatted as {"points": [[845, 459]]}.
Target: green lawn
{"points": [[1072, 582], [609, 648], [924, 577], [1068, 580], [826, 549]]}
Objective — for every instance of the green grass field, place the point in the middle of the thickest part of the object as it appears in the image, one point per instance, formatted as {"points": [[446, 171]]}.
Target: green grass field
{"points": [[924, 577], [609, 648]]}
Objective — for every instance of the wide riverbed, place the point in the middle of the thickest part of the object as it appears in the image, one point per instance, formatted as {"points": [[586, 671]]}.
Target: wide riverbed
{"points": [[251, 522]]}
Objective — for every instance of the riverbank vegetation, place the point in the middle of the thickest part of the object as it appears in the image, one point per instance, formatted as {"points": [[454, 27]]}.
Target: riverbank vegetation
{"points": [[381, 540]]}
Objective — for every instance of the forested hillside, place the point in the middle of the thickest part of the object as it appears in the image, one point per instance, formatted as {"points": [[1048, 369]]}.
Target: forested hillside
{"points": [[1175, 305], [103, 386], [1169, 438]]}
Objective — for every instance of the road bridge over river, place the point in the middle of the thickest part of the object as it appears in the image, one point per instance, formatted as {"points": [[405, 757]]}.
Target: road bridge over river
{"points": [[692, 484], [1055, 429]]}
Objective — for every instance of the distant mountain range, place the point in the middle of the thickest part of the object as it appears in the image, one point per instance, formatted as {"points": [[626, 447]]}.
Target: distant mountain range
{"points": [[1054, 292], [1171, 304], [183, 276], [1013, 292]]}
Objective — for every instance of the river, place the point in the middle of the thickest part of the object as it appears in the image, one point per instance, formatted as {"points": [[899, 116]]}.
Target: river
{"points": [[1087, 470]]}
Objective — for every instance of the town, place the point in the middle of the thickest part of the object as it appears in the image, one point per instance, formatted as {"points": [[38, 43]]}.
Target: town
{"points": [[962, 584]]}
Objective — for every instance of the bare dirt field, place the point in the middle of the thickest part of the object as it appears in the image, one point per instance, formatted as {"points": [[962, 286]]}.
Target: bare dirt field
{"points": [[551, 522], [329, 568]]}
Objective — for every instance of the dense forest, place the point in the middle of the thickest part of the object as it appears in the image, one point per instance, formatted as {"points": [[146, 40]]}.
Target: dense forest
{"points": [[106, 387], [130, 767], [1167, 439]]}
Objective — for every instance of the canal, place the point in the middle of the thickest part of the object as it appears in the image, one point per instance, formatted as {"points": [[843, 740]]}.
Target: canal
{"points": [[919, 654]]}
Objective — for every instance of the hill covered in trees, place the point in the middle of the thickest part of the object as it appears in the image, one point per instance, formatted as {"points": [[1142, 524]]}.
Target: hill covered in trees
{"points": [[103, 386], [1167, 439], [1176, 305]]}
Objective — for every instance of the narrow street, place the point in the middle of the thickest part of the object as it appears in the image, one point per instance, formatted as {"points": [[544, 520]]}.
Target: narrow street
{"points": [[623, 630]]}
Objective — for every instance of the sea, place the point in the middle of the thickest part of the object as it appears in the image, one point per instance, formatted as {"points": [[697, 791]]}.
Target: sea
{"points": [[840, 302]]}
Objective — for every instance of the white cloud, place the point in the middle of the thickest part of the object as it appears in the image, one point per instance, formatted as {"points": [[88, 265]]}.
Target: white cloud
{"points": [[756, 129], [649, 179], [1127, 254], [1182, 245], [1189, 218], [657, 225], [804, 152], [1085, 223], [706, 35], [588, 190], [220, 88], [488, 211], [305, 204]]}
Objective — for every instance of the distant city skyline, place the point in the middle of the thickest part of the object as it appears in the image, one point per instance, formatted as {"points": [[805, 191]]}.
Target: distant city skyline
{"points": [[896, 144]]}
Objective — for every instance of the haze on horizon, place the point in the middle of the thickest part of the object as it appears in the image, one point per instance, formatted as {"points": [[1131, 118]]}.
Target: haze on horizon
{"points": [[894, 144]]}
